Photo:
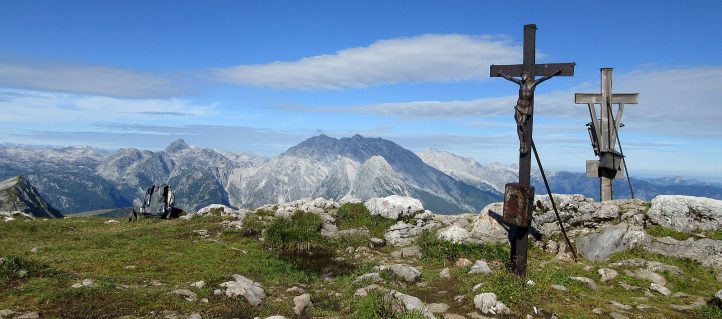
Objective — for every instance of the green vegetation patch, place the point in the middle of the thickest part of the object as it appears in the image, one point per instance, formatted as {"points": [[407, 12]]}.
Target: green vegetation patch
{"points": [[13, 268], [301, 232], [716, 235], [356, 215], [375, 305], [660, 231], [438, 250]]}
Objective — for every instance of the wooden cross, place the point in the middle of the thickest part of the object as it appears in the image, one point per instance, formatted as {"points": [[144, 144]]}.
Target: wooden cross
{"points": [[603, 132], [519, 239]]}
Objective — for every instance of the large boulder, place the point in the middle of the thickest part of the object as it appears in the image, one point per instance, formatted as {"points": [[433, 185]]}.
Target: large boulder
{"points": [[394, 206], [611, 239], [686, 213]]}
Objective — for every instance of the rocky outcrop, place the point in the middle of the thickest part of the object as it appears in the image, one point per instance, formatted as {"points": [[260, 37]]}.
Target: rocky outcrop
{"points": [[394, 206], [403, 233], [686, 213], [615, 238], [707, 251], [17, 195]]}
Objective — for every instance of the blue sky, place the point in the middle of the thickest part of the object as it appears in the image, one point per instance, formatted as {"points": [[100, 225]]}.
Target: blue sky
{"points": [[261, 76]]}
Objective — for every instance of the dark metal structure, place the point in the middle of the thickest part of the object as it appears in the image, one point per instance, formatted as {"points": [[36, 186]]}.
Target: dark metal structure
{"points": [[527, 71], [603, 133]]}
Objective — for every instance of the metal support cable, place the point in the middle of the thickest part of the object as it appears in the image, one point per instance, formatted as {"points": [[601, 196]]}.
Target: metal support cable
{"points": [[554, 205]]}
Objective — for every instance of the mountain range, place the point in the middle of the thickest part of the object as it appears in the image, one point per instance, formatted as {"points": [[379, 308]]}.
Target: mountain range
{"points": [[79, 179]]}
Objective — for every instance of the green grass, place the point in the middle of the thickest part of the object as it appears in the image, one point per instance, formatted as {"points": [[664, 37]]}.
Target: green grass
{"points": [[298, 233], [716, 235], [16, 268], [660, 231], [356, 215], [436, 250], [168, 251]]}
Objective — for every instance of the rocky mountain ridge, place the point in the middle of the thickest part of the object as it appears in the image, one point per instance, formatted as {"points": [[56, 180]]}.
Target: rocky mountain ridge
{"points": [[18, 195], [78, 179], [84, 179], [563, 182]]}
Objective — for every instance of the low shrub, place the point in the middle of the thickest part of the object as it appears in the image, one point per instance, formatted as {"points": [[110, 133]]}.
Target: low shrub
{"points": [[253, 224], [298, 233], [356, 215]]}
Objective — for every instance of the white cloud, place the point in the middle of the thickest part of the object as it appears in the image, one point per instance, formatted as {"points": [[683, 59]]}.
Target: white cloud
{"points": [[683, 102], [551, 103], [678, 101], [424, 58], [86, 79], [25, 106]]}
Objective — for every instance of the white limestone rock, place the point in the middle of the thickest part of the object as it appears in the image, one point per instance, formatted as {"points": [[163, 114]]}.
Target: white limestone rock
{"points": [[454, 234], [409, 273], [686, 213], [242, 286], [394, 206]]}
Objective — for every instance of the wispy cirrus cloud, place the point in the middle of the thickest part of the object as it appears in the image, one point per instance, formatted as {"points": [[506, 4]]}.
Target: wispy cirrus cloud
{"points": [[425, 58], [87, 79]]}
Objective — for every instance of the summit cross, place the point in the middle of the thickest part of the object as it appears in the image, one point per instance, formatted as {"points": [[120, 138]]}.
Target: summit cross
{"points": [[604, 132], [524, 116]]}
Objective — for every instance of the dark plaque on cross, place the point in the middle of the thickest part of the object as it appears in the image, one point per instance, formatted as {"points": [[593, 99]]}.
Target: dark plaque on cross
{"points": [[524, 114]]}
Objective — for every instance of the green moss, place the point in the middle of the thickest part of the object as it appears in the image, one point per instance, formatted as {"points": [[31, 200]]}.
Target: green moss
{"points": [[356, 215], [299, 233]]}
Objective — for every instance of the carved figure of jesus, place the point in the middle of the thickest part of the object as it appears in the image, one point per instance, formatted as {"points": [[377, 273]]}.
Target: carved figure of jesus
{"points": [[523, 108]]}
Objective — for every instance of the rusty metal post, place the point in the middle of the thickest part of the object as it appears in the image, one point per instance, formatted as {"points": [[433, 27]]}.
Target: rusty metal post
{"points": [[518, 204]]}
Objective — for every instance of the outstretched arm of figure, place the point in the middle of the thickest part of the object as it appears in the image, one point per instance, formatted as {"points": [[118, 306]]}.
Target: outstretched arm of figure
{"points": [[542, 79], [509, 77]]}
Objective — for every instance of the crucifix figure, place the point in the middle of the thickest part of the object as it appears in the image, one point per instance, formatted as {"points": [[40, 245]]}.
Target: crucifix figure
{"points": [[524, 116], [523, 107], [604, 132]]}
